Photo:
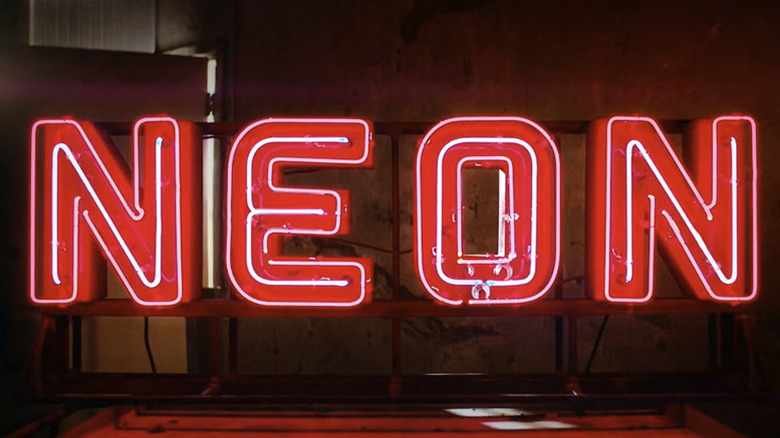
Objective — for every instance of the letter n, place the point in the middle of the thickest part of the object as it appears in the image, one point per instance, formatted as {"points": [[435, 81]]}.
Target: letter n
{"points": [[86, 202], [702, 217]]}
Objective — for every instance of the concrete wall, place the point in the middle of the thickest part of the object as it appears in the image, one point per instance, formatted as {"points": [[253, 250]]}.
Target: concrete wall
{"points": [[426, 60]]}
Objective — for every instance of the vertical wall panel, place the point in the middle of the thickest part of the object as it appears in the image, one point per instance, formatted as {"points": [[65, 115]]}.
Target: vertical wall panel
{"points": [[122, 25]]}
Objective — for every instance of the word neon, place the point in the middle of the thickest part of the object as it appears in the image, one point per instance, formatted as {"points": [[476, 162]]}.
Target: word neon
{"points": [[87, 204]]}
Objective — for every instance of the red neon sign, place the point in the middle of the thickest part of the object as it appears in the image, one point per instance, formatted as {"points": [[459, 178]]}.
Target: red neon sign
{"points": [[145, 220], [640, 194], [526, 262], [146, 224], [261, 211]]}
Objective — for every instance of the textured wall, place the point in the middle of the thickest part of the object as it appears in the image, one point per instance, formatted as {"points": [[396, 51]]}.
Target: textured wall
{"points": [[425, 60]]}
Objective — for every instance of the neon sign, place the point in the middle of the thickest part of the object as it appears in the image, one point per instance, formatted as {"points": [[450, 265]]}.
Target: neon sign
{"points": [[85, 204]]}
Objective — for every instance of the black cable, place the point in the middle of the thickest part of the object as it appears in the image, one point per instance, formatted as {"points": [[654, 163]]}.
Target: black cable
{"points": [[148, 347], [596, 344]]}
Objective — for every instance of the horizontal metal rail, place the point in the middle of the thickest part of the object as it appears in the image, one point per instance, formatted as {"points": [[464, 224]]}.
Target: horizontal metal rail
{"points": [[559, 127], [235, 308]]}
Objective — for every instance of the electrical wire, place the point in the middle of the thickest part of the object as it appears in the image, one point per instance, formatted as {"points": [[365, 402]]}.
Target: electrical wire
{"points": [[596, 344], [148, 347]]}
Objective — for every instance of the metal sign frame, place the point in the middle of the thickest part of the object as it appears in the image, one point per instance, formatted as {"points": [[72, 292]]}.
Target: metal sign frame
{"points": [[733, 369]]}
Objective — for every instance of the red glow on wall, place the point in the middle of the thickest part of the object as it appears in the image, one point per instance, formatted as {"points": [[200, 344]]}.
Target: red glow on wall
{"points": [[144, 221], [703, 218], [526, 262], [262, 211]]}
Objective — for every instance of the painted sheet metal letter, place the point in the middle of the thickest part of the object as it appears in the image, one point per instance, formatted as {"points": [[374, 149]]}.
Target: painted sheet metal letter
{"points": [[528, 255], [146, 221], [261, 212], [640, 194]]}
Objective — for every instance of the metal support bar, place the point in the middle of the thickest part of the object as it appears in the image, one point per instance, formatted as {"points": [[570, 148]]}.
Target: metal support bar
{"points": [[403, 308], [76, 343], [713, 347], [395, 322], [215, 346], [56, 346], [727, 342], [357, 389], [572, 343], [35, 358], [232, 345], [558, 321], [554, 127], [755, 369]]}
